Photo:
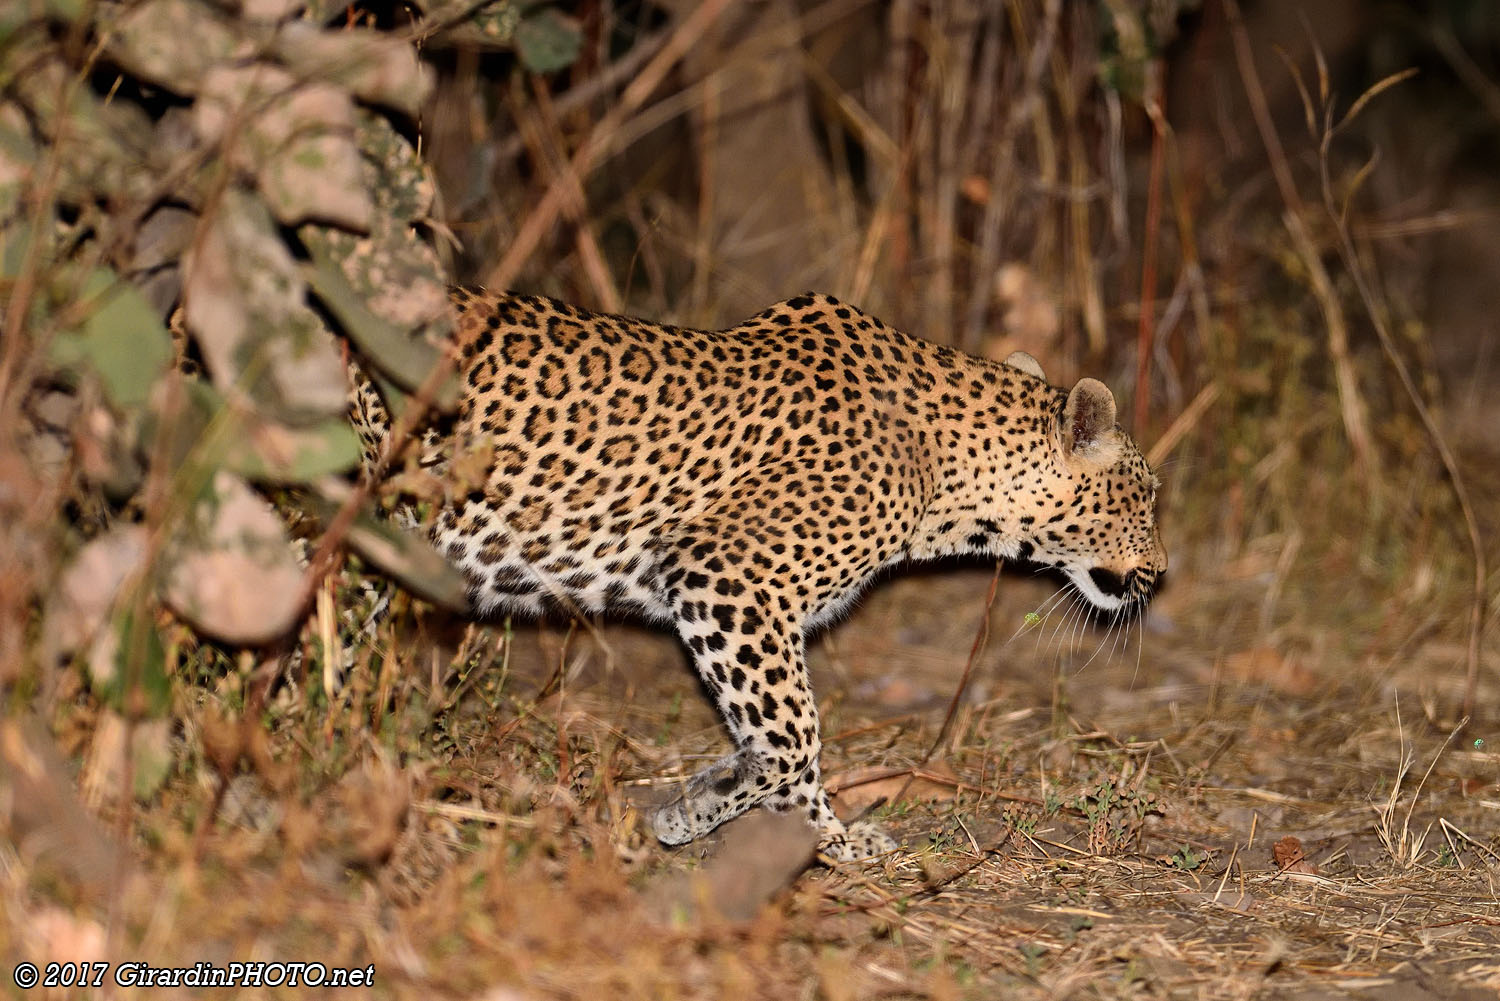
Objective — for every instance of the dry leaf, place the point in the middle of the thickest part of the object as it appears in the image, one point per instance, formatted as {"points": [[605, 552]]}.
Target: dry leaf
{"points": [[1231, 899], [1470, 786], [376, 66], [1290, 856], [45, 826], [88, 589], [223, 740], [231, 571], [298, 139], [65, 937], [1031, 321], [976, 188], [897, 691], [245, 302], [373, 803], [859, 788]]}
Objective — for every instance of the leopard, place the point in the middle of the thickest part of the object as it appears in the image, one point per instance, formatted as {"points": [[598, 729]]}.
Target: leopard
{"points": [[743, 487]]}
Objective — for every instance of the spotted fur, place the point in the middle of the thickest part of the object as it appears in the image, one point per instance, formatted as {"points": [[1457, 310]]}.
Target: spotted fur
{"points": [[742, 486]]}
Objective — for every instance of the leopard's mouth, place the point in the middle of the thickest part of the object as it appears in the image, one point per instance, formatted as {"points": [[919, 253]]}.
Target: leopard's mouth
{"points": [[1110, 592]]}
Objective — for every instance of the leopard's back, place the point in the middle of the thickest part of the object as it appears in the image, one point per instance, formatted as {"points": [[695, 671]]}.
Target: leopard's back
{"points": [[600, 436]]}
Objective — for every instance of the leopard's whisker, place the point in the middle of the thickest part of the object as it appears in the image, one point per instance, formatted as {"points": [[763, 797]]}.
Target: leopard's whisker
{"points": [[1050, 603], [1037, 619], [1119, 627], [1048, 609], [1140, 645], [1097, 649], [1077, 616], [1073, 605]]}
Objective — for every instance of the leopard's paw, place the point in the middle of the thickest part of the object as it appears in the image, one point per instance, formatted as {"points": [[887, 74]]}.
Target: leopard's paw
{"points": [[860, 842]]}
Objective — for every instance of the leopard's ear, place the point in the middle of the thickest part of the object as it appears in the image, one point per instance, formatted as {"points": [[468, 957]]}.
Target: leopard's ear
{"points": [[1026, 363], [1089, 421]]}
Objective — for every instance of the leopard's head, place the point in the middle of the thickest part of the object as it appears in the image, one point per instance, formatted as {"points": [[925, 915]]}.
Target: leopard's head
{"points": [[1100, 528]]}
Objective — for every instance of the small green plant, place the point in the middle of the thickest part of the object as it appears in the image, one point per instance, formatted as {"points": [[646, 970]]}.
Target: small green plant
{"points": [[1187, 860], [1024, 822], [944, 840], [1116, 813]]}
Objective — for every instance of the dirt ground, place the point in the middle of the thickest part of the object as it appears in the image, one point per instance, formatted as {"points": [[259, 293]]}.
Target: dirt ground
{"points": [[1194, 806]]}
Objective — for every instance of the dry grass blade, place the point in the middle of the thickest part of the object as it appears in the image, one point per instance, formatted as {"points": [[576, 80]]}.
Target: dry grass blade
{"points": [[1401, 843], [542, 134], [1451, 830], [16, 344], [1375, 90], [980, 636], [1352, 407], [1355, 183], [1468, 71], [635, 94], [1026, 109], [1295, 73], [1146, 327], [578, 97], [1351, 403], [1183, 425], [1376, 316], [882, 222]]}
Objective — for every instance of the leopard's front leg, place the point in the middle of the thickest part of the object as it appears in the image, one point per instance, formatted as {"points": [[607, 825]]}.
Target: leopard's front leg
{"points": [[741, 623]]}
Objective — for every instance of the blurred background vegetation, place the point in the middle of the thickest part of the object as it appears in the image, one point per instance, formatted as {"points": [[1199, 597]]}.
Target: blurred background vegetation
{"points": [[1271, 227]]}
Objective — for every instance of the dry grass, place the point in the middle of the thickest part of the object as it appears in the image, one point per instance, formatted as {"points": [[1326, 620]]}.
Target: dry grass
{"points": [[1256, 791], [1103, 830]]}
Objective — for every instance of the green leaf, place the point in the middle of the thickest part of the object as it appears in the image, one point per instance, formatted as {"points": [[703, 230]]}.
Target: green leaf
{"points": [[230, 569], [175, 424], [139, 686], [378, 67], [122, 340], [246, 307], [297, 138], [407, 557], [67, 10], [548, 40], [151, 756], [271, 452], [172, 43], [18, 17], [18, 157], [402, 184], [258, 449], [406, 360]]}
